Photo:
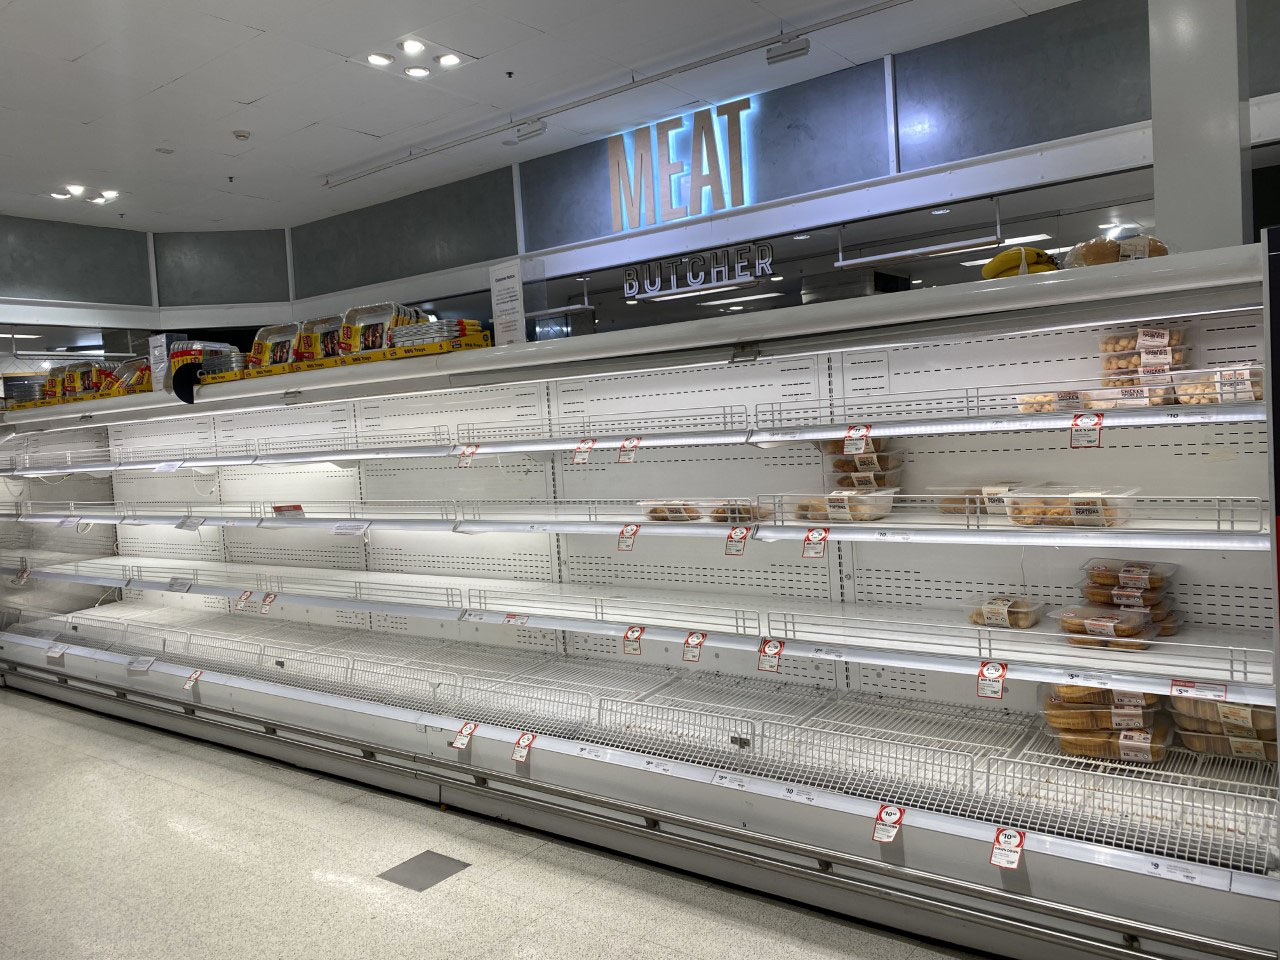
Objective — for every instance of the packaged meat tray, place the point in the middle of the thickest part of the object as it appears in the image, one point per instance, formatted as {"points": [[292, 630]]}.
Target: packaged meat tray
{"points": [[1144, 338], [1003, 610], [1075, 693], [1129, 397], [1169, 623], [1058, 505], [1242, 748], [1228, 385], [872, 480], [837, 447], [987, 498], [1145, 745], [1054, 401], [318, 338], [1141, 574], [1088, 624], [1218, 729], [1120, 596], [1240, 715], [273, 345], [841, 506], [1132, 361], [1063, 715], [713, 511], [866, 462]]}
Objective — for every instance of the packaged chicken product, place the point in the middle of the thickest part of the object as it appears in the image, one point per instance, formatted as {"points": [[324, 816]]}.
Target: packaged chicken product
{"points": [[1064, 715], [739, 513], [1136, 574], [866, 462], [1055, 401], [318, 339], [1169, 624], [1075, 693], [985, 498], [842, 506], [1058, 505], [670, 510], [273, 345], [837, 447], [871, 480], [1143, 745], [1237, 716], [1141, 340], [1003, 610], [1129, 396], [1101, 623], [1132, 361], [1228, 385], [1217, 728], [1121, 596], [1104, 249], [1242, 748]]}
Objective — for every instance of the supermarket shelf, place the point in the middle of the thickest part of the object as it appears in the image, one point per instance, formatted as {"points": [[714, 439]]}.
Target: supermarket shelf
{"points": [[979, 763], [1242, 661]]}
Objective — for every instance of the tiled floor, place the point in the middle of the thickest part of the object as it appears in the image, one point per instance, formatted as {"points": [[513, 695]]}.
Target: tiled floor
{"points": [[124, 842]]}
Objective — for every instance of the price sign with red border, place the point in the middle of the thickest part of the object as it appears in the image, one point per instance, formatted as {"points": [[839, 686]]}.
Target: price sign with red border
{"points": [[515, 619], [627, 450], [23, 576], [287, 510], [735, 542], [1198, 689], [244, 598], [464, 734], [466, 454], [815, 543], [627, 537], [523, 742], [856, 437], [693, 646], [582, 452], [888, 822], [1006, 848], [1086, 431], [770, 655], [191, 680], [631, 640], [991, 677], [267, 600]]}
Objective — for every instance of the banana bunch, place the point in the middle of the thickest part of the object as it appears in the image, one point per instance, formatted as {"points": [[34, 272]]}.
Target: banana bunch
{"points": [[1008, 263]]}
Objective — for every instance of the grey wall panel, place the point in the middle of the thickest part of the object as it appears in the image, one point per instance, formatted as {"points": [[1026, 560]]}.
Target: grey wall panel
{"points": [[465, 222], [50, 260], [1071, 70], [1264, 34], [233, 266], [809, 136]]}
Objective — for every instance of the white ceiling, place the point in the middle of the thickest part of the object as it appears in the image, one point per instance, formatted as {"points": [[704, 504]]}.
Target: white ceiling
{"points": [[89, 89]]}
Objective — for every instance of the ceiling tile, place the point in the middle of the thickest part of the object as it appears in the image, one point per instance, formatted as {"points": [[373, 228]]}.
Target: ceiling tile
{"points": [[401, 103], [255, 69], [478, 33], [173, 114], [1040, 6], [356, 29], [257, 13], [55, 88], [320, 149], [163, 48], [66, 29], [547, 14], [912, 25]]}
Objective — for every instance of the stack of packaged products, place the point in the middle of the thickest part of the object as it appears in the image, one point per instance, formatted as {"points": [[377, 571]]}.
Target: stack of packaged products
{"points": [[1106, 724], [863, 475], [1127, 605], [1241, 730]]}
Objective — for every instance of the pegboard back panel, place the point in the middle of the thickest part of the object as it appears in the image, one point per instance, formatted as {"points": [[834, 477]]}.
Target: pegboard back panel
{"points": [[525, 401], [203, 543], [192, 431], [289, 483], [512, 476], [515, 556], [301, 548], [336, 419]]}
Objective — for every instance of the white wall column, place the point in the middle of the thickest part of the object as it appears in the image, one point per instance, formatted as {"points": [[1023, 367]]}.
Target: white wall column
{"points": [[1200, 122]]}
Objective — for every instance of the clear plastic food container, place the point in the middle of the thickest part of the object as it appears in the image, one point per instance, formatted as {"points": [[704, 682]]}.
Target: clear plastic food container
{"points": [[1226, 385], [1102, 623], [319, 338], [843, 506], [979, 498], [1075, 693], [1219, 729], [836, 447], [1108, 572], [1064, 715], [1065, 506], [1144, 338], [1241, 715], [865, 462], [1055, 401], [273, 345], [1144, 745], [1003, 610], [1168, 623], [713, 511], [1120, 596], [1242, 748], [1122, 361], [1126, 397], [872, 480]]}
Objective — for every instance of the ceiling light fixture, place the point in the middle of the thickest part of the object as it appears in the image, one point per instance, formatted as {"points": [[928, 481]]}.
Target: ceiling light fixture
{"points": [[1030, 238], [61, 196], [632, 303], [417, 72], [790, 50], [110, 194], [412, 47], [753, 296], [801, 236], [1107, 226], [940, 211], [448, 60], [527, 131], [739, 307], [75, 189], [381, 59], [916, 282], [776, 277], [98, 200]]}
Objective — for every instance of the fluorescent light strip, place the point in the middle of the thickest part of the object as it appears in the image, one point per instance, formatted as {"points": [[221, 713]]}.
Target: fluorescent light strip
{"points": [[1013, 241], [680, 293], [754, 296]]}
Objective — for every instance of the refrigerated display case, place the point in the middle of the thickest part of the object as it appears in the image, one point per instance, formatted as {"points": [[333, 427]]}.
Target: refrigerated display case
{"points": [[634, 555]]}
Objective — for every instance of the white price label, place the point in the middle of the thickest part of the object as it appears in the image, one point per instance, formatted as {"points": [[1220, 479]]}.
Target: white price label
{"points": [[191, 680], [1126, 718], [770, 655], [55, 651], [1068, 400], [1182, 873], [888, 822], [189, 523], [735, 541], [656, 765], [1090, 680], [1247, 748], [627, 450], [815, 543], [70, 522], [1086, 431], [991, 677], [593, 753], [463, 736], [515, 619], [350, 528], [627, 537], [476, 615], [267, 600], [169, 466], [180, 585], [523, 742], [244, 598], [856, 438], [799, 794], [140, 664], [1006, 849], [23, 576], [466, 454], [729, 780], [1149, 338], [582, 452], [693, 646], [289, 511], [1198, 689], [631, 640]]}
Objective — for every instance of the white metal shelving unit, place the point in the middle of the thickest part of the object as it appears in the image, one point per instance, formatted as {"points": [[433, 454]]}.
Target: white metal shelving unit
{"points": [[456, 555]]}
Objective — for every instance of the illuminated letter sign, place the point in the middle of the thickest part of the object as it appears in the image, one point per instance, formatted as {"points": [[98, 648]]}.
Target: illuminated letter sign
{"points": [[692, 171]]}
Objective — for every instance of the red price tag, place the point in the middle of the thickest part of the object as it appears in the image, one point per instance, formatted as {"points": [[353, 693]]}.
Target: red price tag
{"points": [[627, 537], [888, 822], [1006, 849], [770, 655], [463, 736], [631, 640], [627, 450], [191, 680], [466, 453], [244, 598], [582, 452], [1086, 431], [23, 576], [735, 542], [290, 510], [693, 645], [856, 437], [267, 600], [1198, 689], [516, 619], [523, 742], [815, 543], [991, 677]]}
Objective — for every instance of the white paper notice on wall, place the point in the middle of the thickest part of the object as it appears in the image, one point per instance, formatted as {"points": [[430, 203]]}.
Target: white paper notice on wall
{"points": [[506, 297]]}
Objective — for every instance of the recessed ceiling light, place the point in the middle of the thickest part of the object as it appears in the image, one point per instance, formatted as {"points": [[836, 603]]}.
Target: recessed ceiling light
{"points": [[98, 200], [632, 303], [582, 278], [417, 72], [801, 236], [412, 46], [381, 59], [61, 196], [739, 307], [75, 189], [776, 277], [915, 282], [111, 194], [448, 60], [940, 211]]}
